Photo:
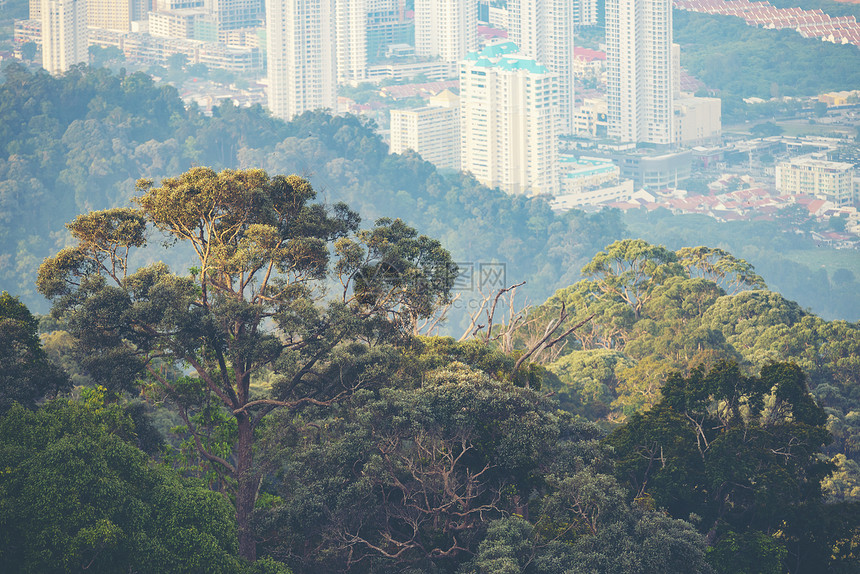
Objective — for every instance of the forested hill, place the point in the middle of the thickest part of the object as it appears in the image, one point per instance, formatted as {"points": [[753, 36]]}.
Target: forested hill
{"points": [[80, 142], [59, 160], [742, 61]]}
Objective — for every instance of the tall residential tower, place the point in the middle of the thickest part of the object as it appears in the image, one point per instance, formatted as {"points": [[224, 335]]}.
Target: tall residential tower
{"points": [[543, 30], [302, 69], [508, 121], [639, 70], [64, 34], [446, 29]]}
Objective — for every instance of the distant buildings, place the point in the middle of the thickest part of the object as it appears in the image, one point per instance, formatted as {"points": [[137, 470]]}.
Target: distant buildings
{"points": [[387, 25], [639, 65], [590, 119], [432, 131], [446, 29], [698, 121], [302, 69], [350, 37], [827, 180], [64, 34], [115, 14], [543, 30], [508, 120], [235, 14], [585, 12]]}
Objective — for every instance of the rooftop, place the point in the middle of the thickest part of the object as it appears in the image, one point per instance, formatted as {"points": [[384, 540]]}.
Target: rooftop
{"points": [[505, 56]]}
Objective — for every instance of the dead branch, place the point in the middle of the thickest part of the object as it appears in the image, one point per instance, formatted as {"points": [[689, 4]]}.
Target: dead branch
{"points": [[546, 341]]}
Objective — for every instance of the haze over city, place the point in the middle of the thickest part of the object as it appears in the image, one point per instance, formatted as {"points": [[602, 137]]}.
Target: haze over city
{"points": [[430, 286]]}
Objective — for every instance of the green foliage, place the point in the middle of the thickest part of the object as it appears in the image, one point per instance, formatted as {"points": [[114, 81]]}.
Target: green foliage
{"points": [[774, 62], [765, 129], [428, 354], [742, 453], [647, 303], [588, 380], [624, 540], [75, 494], [749, 553], [27, 376], [790, 264], [410, 477], [252, 303]]}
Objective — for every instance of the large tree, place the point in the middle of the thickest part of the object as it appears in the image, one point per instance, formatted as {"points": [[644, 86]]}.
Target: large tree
{"points": [[260, 297], [27, 375]]}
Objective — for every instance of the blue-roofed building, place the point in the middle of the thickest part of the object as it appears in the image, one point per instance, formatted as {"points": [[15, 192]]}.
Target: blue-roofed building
{"points": [[509, 120]]}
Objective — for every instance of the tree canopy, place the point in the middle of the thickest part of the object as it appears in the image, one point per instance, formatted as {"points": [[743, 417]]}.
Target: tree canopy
{"points": [[27, 375], [254, 299]]}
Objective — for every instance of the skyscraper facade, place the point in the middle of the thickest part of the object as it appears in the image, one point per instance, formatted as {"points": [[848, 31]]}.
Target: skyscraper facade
{"points": [[585, 12], [110, 14], [387, 24], [639, 85], [508, 121], [235, 14], [543, 30], [351, 34], [447, 29], [302, 69], [64, 34]]}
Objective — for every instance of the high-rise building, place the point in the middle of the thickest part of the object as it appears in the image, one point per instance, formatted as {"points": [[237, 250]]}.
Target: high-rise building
{"points": [[639, 85], [585, 12], [351, 35], [302, 70], [64, 34], [446, 29], [114, 14], [235, 14], [508, 120], [543, 30], [387, 24]]}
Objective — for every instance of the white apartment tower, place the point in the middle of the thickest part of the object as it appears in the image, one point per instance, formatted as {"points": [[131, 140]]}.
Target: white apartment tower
{"points": [[508, 121], [64, 34], [351, 34], [585, 12], [543, 30], [302, 70], [447, 29], [640, 87]]}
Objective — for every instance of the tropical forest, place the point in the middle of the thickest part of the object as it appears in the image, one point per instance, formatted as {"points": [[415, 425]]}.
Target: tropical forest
{"points": [[231, 343]]}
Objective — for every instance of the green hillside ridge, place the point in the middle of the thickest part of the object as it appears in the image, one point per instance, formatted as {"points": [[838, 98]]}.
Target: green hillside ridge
{"points": [[80, 142]]}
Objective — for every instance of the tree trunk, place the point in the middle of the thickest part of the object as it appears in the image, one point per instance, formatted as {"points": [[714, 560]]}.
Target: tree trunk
{"points": [[246, 494]]}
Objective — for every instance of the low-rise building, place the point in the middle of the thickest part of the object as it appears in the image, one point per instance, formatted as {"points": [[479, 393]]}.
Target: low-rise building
{"points": [[183, 23], [697, 120], [590, 181], [828, 180], [432, 131], [28, 31], [399, 71], [590, 118], [148, 49]]}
